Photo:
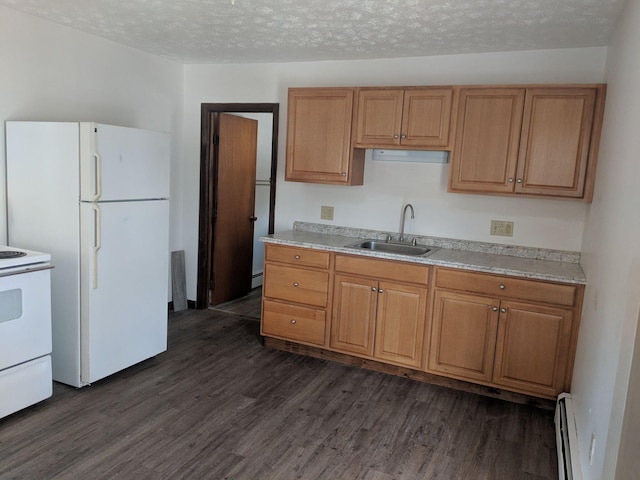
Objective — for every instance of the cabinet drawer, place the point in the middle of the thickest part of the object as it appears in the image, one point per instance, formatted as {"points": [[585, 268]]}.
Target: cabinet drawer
{"points": [[506, 287], [367, 266], [297, 256], [296, 284], [293, 322]]}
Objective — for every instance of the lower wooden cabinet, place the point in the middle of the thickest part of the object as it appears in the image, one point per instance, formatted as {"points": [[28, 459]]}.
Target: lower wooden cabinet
{"points": [[525, 346], [355, 302], [532, 348], [400, 323], [377, 318], [294, 322], [510, 333], [296, 294], [463, 338]]}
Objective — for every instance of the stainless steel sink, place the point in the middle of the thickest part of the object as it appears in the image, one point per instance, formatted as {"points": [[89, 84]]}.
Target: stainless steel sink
{"points": [[392, 247]]}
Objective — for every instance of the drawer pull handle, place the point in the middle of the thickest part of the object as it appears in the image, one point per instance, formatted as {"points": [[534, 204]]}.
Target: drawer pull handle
{"points": [[502, 287], [293, 321], [297, 257], [295, 284], [503, 310], [495, 309]]}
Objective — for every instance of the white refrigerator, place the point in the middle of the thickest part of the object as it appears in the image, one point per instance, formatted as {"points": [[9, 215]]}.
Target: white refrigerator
{"points": [[97, 198]]}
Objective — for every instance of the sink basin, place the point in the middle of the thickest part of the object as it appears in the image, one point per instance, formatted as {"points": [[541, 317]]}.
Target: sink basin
{"points": [[391, 247]]}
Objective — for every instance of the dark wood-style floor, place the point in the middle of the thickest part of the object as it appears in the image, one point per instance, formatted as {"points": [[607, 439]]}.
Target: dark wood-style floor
{"points": [[219, 405]]}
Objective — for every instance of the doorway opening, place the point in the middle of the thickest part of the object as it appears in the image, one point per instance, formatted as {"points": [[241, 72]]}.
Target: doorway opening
{"points": [[225, 267]]}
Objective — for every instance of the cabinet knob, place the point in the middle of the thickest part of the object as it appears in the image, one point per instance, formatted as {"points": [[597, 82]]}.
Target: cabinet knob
{"points": [[403, 136], [293, 321], [381, 291], [395, 135], [503, 310], [519, 180], [344, 174], [510, 180], [297, 257], [495, 309], [374, 289], [502, 287], [295, 284]]}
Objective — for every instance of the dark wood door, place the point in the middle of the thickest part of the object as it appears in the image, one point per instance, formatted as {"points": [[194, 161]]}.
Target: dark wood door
{"points": [[233, 208]]}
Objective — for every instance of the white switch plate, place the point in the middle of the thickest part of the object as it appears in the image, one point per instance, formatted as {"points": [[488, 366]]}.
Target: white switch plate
{"points": [[502, 228], [326, 212]]}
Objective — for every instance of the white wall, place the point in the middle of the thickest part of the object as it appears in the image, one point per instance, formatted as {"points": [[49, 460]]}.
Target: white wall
{"points": [[611, 259], [377, 204], [50, 72]]}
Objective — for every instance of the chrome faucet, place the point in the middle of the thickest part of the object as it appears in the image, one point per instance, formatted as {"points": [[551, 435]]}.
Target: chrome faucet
{"points": [[404, 214]]}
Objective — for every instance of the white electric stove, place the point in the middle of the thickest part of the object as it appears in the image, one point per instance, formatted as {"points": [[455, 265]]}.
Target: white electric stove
{"points": [[25, 328]]}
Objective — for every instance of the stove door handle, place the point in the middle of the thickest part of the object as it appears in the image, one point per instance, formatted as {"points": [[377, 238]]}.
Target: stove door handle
{"points": [[97, 241]]}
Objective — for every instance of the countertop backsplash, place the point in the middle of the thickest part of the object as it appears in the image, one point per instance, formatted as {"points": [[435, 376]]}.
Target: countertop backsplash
{"points": [[449, 243]]}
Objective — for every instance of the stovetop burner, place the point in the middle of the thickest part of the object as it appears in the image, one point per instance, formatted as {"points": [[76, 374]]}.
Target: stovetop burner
{"points": [[11, 254]]}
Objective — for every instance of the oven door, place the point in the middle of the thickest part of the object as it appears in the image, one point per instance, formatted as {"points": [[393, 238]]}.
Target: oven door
{"points": [[25, 316]]}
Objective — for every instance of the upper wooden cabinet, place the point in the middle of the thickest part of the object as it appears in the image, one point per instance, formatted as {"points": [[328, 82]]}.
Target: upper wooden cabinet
{"points": [[528, 140], [319, 147], [414, 117]]}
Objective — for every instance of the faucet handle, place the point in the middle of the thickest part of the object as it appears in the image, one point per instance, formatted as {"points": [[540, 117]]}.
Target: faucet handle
{"points": [[414, 242], [388, 239]]}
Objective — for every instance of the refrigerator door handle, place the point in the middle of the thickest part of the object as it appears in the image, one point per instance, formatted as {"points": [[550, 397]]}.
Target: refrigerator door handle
{"points": [[97, 239], [97, 176]]}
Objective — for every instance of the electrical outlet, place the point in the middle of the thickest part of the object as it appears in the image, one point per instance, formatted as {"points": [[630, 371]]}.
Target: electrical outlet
{"points": [[592, 448], [502, 228], [326, 213]]}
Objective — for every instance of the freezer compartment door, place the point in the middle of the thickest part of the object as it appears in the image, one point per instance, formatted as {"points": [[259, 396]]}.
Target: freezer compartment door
{"points": [[124, 285], [120, 163]]}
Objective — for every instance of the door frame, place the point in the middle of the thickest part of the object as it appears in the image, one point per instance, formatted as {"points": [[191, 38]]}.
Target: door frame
{"points": [[208, 183]]}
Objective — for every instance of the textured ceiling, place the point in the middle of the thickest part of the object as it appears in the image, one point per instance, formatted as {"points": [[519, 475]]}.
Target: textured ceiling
{"points": [[248, 31]]}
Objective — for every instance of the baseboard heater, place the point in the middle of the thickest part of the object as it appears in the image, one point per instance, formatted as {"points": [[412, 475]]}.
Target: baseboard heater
{"points": [[567, 440]]}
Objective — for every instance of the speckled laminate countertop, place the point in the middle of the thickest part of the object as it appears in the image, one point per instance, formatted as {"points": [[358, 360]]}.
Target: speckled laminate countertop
{"points": [[531, 263]]}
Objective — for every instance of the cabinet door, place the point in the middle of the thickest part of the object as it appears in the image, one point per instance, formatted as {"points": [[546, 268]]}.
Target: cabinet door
{"points": [[354, 311], [400, 323], [532, 349], [319, 137], [485, 153], [426, 118], [463, 335], [554, 146], [379, 117]]}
